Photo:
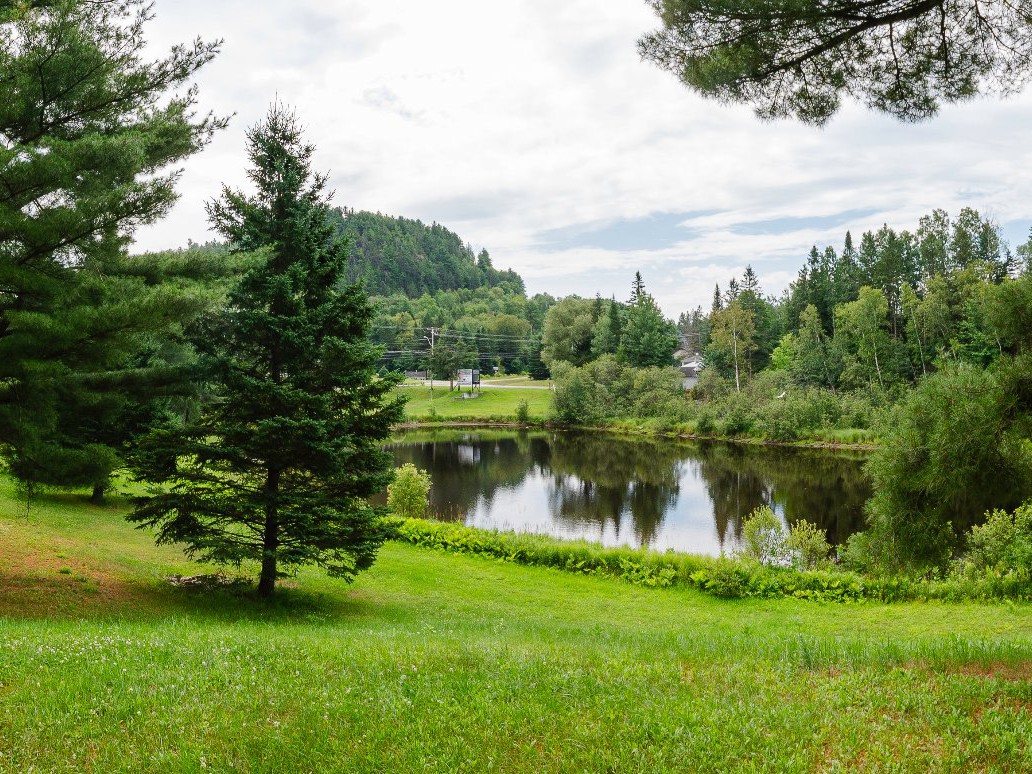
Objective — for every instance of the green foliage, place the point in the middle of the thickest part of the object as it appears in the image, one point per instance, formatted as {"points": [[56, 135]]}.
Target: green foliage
{"points": [[788, 58], [607, 389], [951, 451], [871, 357], [772, 408], [784, 354], [732, 341], [608, 331], [568, 332], [648, 339], [407, 495], [522, 415], [495, 326], [641, 567], [279, 464], [809, 546], [401, 255], [90, 127], [764, 539], [1003, 543]]}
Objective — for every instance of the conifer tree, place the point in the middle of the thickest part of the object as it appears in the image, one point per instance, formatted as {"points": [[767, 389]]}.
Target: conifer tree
{"points": [[647, 338], [615, 325], [605, 338], [792, 58], [718, 300], [87, 135], [279, 465], [637, 288]]}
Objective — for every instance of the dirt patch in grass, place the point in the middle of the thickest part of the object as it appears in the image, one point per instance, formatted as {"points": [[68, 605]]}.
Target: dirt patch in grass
{"points": [[42, 584], [1012, 672]]}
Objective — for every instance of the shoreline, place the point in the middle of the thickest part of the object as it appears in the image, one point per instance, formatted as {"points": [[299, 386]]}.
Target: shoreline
{"points": [[418, 424]]}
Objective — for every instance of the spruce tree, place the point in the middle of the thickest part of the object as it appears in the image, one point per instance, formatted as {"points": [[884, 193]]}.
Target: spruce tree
{"points": [[279, 466], [718, 300], [647, 338]]}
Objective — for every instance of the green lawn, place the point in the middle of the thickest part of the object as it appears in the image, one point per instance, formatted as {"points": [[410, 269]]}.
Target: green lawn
{"points": [[439, 662], [491, 405]]}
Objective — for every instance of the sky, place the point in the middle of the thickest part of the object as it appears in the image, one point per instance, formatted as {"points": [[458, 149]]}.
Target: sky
{"points": [[534, 130]]}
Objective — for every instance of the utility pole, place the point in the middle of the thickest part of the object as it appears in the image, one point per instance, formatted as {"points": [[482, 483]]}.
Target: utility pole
{"points": [[430, 365]]}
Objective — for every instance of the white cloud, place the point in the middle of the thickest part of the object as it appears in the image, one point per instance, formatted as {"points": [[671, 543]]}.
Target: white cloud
{"points": [[506, 120]]}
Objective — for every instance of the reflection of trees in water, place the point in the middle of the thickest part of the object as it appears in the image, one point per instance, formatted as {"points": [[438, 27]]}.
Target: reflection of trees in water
{"points": [[823, 488], [601, 480], [734, 489], [465, 469]]}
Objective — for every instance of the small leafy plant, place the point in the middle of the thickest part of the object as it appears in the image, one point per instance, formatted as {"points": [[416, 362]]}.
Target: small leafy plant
{"points": [[764, 539], [408, 496]]}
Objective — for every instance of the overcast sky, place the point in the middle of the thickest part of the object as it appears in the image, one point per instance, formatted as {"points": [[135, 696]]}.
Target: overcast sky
{"points": [[533, 129]]}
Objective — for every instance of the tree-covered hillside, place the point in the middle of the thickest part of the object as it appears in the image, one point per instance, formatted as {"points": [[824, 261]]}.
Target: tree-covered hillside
{"points": [[407, 256]]}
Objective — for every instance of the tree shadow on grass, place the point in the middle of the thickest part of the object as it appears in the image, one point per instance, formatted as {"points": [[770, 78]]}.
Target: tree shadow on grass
{"points": [[27, 594], [240, 603]]}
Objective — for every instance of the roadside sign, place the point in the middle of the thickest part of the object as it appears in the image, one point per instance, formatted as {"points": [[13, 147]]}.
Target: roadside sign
{"points": [[469, 377]]}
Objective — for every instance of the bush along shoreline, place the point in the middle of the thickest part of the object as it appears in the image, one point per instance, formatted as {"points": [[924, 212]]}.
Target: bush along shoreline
{"points": [[740, 577], [634, 428], [610, 396]]}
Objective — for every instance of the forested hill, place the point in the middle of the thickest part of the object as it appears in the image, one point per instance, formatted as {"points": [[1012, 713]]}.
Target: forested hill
{"points": [[399, 255]]}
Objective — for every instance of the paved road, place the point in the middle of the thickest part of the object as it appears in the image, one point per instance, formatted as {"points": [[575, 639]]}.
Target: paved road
{"points": [[483, 385]]}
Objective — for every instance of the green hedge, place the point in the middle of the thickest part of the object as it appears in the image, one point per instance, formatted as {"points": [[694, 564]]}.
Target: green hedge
{"points": [[725, 578], [722, 577]]}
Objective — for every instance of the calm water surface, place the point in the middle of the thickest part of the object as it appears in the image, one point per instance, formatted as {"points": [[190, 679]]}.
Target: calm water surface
{"points": [[658, 493]]}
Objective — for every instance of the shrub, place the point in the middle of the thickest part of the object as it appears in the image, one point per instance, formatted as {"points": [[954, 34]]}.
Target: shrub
{"points": [[725, 581], [721, 577], [523, 412], [737, 416], [809, 546], [1003, 543], [407, 496], [860, 553], [764, 539]]}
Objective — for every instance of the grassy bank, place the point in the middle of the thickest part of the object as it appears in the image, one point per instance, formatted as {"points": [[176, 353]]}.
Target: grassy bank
{"points": [[441, 662], [495, 406], [490, 405]]}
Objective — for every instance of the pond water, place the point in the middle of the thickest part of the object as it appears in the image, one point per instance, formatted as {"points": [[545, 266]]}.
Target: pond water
{"points": [[687, 496]]}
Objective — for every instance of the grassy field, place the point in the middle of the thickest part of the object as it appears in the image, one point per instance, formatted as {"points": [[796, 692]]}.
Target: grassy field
{"points": [[491, 405], [440, 662]]}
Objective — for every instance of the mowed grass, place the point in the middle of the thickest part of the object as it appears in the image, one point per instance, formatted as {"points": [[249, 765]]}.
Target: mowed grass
{"points": [[438, 662], [492, 404]]}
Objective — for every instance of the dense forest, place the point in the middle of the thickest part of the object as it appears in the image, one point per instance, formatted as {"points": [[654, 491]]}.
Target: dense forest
{"points": [[402, 255]]}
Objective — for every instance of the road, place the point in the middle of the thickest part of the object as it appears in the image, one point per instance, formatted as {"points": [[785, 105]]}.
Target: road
{"points": [[483, 385]]}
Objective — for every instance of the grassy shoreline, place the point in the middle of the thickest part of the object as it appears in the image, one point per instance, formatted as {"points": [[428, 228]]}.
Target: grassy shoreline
{"points": [[497, 408]]}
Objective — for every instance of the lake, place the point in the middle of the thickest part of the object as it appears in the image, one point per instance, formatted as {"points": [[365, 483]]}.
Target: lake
{"points": [[688, 496]]}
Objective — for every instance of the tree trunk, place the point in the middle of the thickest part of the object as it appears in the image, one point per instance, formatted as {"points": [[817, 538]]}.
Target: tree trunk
{"points": [[97, 498], [874, 348], [270, 537], [734, 339]]}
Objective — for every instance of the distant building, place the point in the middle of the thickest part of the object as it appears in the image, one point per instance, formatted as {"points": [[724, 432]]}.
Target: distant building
{"points": [[690, 367]]}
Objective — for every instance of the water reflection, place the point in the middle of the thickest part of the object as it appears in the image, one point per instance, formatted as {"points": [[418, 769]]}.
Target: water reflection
{"points": [[663, 494]]}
